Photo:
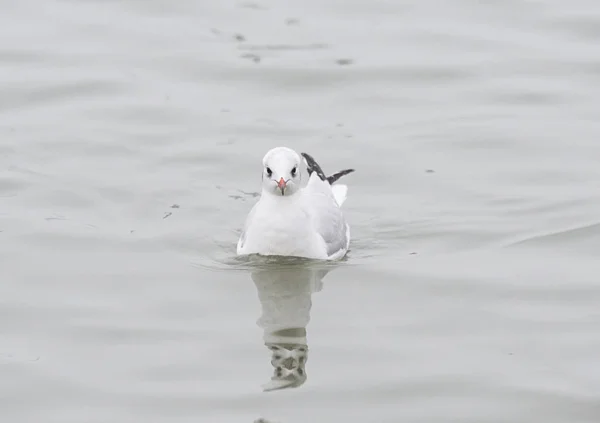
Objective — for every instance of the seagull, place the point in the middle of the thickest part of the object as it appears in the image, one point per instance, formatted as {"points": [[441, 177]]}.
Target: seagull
{"points": [[291, 220]]}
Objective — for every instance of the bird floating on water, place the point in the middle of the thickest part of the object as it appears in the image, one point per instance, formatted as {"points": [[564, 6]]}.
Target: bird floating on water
{"points": [[291, 220]]}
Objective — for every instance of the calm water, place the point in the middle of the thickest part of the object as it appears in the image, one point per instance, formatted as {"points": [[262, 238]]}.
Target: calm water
{"points": [[131, 135]]}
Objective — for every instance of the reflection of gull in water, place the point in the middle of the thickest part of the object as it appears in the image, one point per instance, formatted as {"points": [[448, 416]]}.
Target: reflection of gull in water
{"points": [[284, 290]]}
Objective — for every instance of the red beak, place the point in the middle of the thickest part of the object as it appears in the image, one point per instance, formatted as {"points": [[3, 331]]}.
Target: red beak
{"points": [[281, 185]]}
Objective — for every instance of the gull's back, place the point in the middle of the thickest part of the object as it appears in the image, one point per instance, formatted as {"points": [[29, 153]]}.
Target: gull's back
{"points": [[322, 202]]}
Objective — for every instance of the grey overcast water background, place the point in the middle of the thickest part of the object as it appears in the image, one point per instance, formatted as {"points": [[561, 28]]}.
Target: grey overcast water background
{"points": [[131, 139]]}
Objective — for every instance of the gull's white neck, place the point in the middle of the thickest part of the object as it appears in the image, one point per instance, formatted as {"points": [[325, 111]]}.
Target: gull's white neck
{"points": [[269, 197]]}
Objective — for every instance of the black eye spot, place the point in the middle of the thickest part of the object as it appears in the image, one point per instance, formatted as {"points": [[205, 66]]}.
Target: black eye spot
{"points": [[294, 170], [269, 171]]}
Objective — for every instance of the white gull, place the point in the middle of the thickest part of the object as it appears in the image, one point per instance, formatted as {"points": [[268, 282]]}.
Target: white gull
{"points": [[291, 220]]}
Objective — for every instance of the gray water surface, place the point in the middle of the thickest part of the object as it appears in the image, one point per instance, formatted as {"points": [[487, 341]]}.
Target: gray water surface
{"points": [[131, 135]]}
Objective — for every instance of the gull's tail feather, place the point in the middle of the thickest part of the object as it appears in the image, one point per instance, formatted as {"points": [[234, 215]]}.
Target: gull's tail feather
{"points": [[313, 166]]}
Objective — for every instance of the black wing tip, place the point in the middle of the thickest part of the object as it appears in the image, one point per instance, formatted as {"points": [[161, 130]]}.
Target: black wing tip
{"points": [[333, 178], [307, 156], [313, 166]]}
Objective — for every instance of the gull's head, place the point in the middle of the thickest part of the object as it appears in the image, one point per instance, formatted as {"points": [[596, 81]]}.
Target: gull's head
{"points": [[281, 172]]}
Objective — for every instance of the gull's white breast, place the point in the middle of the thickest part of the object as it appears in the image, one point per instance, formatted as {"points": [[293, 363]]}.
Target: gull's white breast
{"points": [[284, 230]]}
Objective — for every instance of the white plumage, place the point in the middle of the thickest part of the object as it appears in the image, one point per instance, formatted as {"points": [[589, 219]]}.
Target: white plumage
{"points": [[291, 220]]}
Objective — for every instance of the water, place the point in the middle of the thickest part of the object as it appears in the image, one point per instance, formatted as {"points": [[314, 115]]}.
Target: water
{"points": [[131, 135]]}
